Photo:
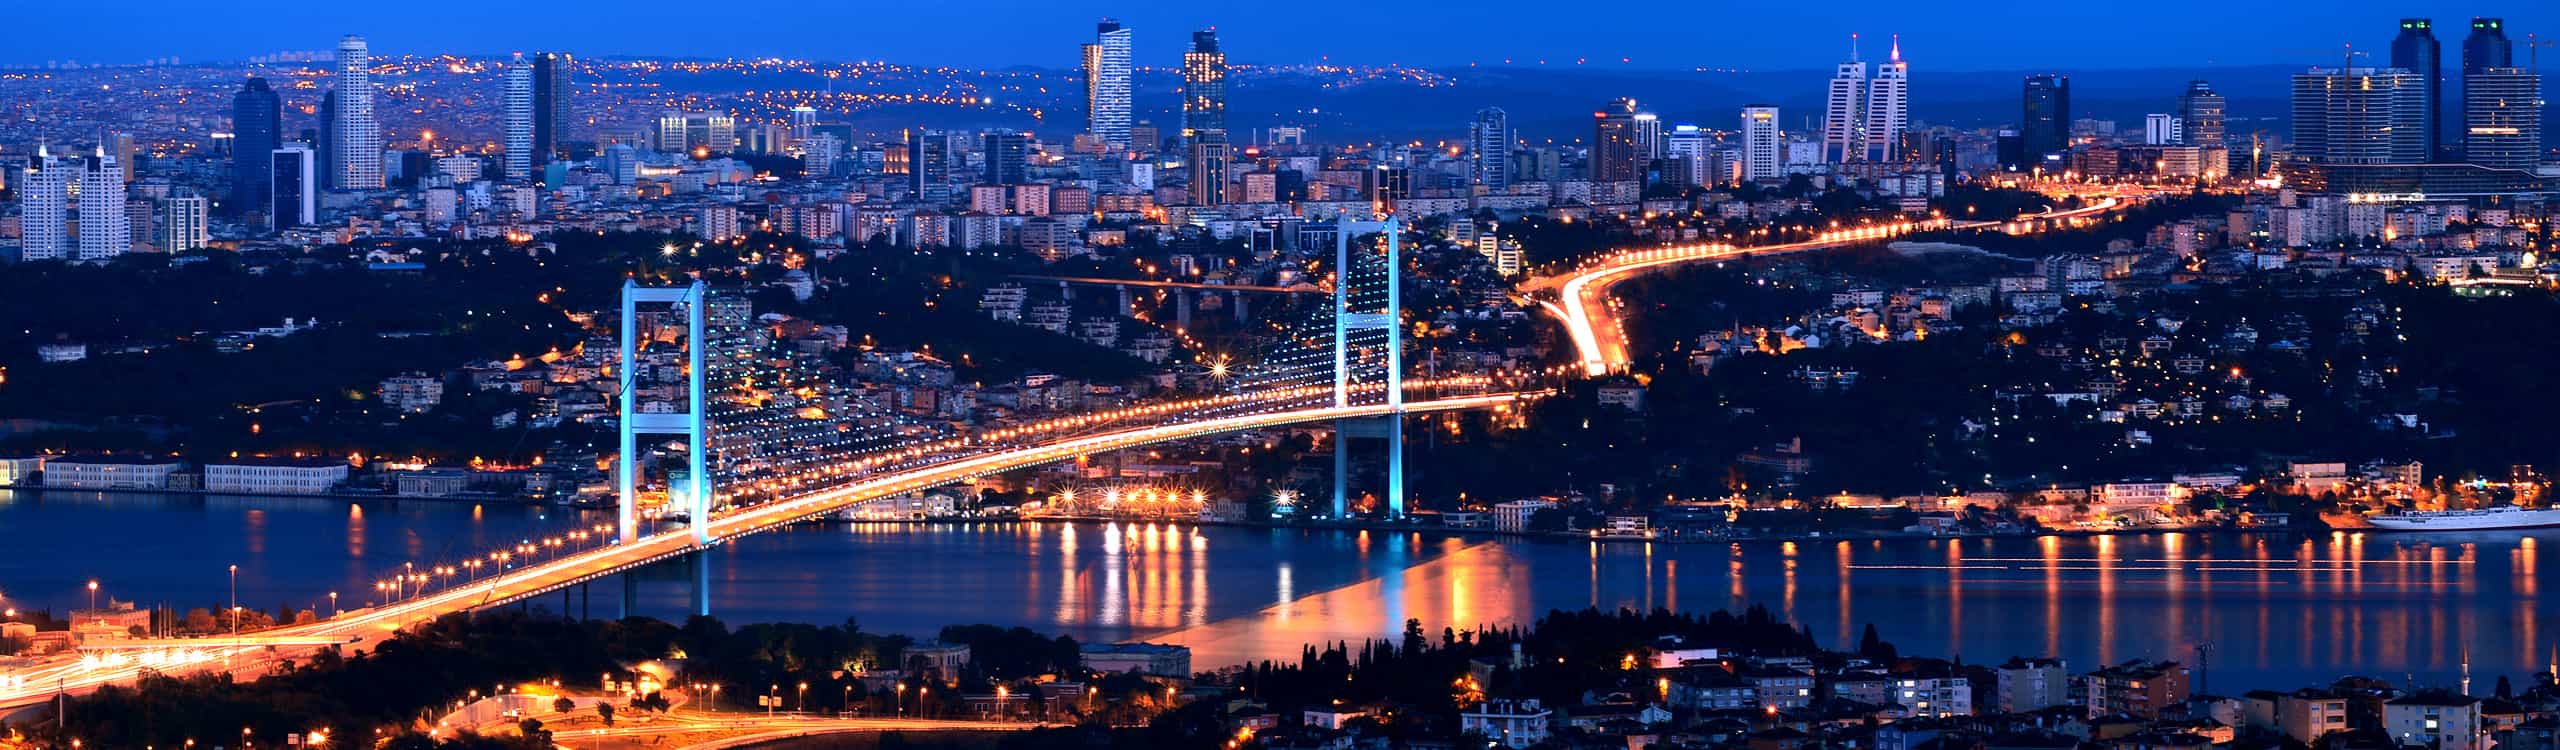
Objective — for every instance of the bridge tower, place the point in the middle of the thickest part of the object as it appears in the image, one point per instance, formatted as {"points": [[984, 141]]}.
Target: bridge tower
{"points": [[693, 423], [1360, 308]]}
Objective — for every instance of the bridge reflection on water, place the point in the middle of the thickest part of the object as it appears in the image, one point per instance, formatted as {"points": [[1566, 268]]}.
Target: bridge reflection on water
{"points": [[2279, 611]]}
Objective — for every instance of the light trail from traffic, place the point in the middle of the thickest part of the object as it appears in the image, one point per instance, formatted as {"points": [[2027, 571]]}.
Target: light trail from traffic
{"points": [[1599, 336]]}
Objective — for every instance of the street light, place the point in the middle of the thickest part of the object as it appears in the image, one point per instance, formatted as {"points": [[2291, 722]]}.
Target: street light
{"points": [[235, 610], [333, 605], [93, 597]]}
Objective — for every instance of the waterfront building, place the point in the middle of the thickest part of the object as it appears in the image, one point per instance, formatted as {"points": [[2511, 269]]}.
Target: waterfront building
{"points": [[275, 476]]}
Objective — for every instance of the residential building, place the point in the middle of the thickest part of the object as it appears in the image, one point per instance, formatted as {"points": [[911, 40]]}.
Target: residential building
{"points": [[183, 223], [1510, 723], [2031, 684], [1515, 515], [2434, 719], [412, 393], [2135, 688]]}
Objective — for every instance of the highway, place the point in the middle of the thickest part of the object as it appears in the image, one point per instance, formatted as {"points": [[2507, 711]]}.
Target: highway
{"points": [[1599, 336], [362, 627]]}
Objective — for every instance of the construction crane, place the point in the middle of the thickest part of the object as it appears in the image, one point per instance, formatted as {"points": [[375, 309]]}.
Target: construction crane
{"points": [[2533, 44]]}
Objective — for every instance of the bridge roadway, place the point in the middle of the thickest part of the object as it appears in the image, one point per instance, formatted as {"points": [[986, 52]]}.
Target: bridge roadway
{"points": [[360, 628], [1599, 338]]}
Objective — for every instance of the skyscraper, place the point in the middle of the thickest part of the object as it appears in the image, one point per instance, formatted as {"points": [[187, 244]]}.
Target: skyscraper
{"points": [[2487, 46], [106, 231], [1762, 145], [2044, 121], [518, 123], [44, 207], [1106, 84], [1844, 111], [1615, 154], [1209, 158], [2359, 116], [551, 113], [2200, 109], [295, 191], [1648, 138], [257, 127], [358, 141], [1889, 106], [1204, 85], [1489, 150], [324, 140], [1008, 156], [2417, 51], [2502, 118]]}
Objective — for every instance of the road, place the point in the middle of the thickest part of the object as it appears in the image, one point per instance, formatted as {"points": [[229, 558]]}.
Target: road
{"points": [[360, 628], [1590, 316]]}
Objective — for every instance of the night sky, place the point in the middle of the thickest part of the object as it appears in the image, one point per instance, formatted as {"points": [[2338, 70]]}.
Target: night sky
{"points": [[1656, 35]]}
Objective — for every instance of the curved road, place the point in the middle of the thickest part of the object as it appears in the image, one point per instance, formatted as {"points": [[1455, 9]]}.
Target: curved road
{"points": [[1599, 336]]}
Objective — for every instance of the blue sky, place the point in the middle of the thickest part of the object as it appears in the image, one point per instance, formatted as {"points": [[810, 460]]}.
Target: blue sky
{"points": [[1659, 35]]}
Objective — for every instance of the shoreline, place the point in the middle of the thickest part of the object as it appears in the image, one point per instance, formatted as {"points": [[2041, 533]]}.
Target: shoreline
{"points": [[1569, 536]]}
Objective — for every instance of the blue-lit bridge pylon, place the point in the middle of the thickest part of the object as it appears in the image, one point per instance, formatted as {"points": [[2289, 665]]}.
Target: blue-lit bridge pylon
{"points": [[693, 422], [1368, 345]]}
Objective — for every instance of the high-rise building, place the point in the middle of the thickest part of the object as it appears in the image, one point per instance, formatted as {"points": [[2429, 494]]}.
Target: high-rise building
{"points": [[257, 127], [2162, 129], [182, 223], [1204, 85], [1489, 150], [518, 122], [1889, 106], [804, 125], [1106, 84], [1844, 111], [1648, 138], [106, 230], [2487, 46], [2044, 120], [358, 141], [929, 155], [1008, 155], [294, 190], [1616, 155], [2502, 118], [44, 207], [2200, 113], [1763, 146], [2417, 51], [1690, 148], [551, 97], [2359, 116], [325, 140], [1209, 158]]}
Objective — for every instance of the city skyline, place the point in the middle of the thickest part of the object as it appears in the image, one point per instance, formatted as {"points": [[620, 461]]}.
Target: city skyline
{"points": [[1045, 35]]}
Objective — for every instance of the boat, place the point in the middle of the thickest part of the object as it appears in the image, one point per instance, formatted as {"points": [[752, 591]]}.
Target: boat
{"points": [[2485, 519]]}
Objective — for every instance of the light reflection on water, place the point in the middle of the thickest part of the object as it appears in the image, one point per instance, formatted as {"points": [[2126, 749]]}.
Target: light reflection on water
{"points": [[2278, 611]]}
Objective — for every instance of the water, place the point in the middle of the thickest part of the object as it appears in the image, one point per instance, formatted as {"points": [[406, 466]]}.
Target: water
{"points": [[2278, 611]]}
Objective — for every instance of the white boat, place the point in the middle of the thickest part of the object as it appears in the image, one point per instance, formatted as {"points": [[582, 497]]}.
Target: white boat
{"points": [[2485, 519]]}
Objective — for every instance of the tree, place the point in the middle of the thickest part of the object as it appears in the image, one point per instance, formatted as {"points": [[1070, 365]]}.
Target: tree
{"points": [[604, 709], [562, 705]]}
